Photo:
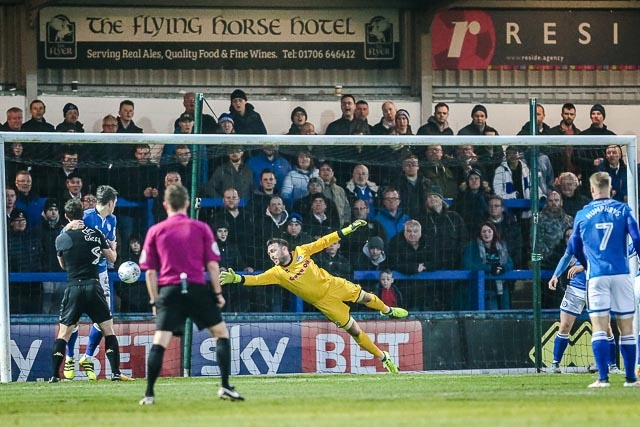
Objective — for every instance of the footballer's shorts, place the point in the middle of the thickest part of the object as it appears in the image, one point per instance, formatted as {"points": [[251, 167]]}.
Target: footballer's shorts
{"points": [[332, 304], [173, 307], [84, 296], [611, 294], [574, 301]]}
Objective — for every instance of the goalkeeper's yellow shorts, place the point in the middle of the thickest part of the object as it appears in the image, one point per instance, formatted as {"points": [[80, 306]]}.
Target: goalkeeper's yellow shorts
{"points": [[333, 306]]}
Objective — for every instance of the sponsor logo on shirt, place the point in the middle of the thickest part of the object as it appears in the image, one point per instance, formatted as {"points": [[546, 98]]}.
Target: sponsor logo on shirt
{"points": [[301, 271]]}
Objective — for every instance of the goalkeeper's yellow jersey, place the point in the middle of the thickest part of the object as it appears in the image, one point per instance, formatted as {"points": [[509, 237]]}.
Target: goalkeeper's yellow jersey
{"points": [[302, 276]]}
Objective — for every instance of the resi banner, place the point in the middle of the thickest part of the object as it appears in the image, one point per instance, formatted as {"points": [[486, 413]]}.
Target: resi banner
{"points": [[217, 38], [536, 39]]}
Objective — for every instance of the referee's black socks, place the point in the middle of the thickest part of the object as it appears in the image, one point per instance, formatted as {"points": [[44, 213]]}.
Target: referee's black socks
{"points": [[58, 356], [223, 356], [154, 364]]}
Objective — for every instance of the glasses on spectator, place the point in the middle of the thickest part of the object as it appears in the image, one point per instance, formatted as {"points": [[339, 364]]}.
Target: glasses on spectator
{"points": [[410, 164], [360, 209], [89, 200]]}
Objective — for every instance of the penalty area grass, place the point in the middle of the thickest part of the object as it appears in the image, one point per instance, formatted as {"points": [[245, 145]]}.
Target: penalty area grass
{"points": [[326, 400]]}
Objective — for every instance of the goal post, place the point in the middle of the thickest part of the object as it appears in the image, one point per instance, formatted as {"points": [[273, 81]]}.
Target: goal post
{"points": [[334, 148]]}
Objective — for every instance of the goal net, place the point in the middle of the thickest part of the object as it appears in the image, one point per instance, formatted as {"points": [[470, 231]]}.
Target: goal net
{"points": [[426, 200]]}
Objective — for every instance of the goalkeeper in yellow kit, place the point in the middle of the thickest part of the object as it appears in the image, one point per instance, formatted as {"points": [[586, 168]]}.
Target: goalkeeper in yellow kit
{"points": [[296, 272]]}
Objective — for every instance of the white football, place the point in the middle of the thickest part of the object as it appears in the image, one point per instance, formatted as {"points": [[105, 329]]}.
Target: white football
{"points": [[129, 272]]}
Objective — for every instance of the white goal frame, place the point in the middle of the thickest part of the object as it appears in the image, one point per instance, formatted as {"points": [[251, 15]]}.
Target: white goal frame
{"points": [[630, 142]]}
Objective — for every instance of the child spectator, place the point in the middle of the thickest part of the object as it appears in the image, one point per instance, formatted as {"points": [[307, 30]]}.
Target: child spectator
{"points": [[386, 290]]}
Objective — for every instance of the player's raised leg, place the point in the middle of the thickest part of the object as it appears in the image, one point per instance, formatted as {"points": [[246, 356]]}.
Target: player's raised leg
{"points": [[372, 301], [366, 343]]}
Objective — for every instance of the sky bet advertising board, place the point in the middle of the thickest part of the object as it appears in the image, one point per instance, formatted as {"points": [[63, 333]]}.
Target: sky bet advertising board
{"points": [[256, 349]]}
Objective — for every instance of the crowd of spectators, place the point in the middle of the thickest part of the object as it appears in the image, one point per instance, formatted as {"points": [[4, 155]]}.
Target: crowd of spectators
{"points": [[428, 207]]}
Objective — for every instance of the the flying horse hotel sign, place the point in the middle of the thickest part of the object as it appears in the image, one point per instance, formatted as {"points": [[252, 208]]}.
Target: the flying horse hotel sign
{"points": [[98, 38]]}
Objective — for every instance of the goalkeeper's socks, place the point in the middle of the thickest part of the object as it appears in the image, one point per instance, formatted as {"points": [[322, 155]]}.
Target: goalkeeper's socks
{"points": [[95, 335], [365, 342], [559, 346], [71, 344], [377, 304]]}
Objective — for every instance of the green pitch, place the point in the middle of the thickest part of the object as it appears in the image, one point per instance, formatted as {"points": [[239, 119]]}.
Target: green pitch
{"points": [[327, 400]]}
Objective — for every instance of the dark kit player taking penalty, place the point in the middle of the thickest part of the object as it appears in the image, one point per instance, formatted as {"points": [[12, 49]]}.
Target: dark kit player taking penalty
{"points": [[79, 252]]}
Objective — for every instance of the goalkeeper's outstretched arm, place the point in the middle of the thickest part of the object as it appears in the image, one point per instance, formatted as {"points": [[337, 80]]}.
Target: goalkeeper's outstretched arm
{"points": [[352, 227], [229, 277]]}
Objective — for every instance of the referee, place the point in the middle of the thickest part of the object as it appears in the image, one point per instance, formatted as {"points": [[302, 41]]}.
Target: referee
{"points": [[173, 248], [79, 252]]}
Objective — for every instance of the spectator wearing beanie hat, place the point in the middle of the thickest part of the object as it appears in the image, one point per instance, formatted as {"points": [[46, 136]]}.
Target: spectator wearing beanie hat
{"points": [[594, 155], [318, 220], [372, 256], [245, 118], [294, 231], [597, 114], [402, 123], [472, 200], [487, 155], [298, 119], [478, 125], [70, 123], [226, 123], [185, 124], [303, 205]]}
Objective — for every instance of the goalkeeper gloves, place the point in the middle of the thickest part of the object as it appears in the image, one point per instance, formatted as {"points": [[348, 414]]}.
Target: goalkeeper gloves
{"points": [[228, 277], [352, 227]]}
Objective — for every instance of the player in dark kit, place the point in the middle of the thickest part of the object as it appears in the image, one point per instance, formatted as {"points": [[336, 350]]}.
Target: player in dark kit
{"points": [[173, 256], [79, 252]]}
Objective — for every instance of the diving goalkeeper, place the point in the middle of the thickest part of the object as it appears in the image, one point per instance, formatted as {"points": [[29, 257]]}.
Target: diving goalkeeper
{"points": [[296, 272]]}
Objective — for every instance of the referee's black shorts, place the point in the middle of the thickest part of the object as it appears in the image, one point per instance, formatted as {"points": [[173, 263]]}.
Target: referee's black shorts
{"points": [[173, 307], [84, 296]]}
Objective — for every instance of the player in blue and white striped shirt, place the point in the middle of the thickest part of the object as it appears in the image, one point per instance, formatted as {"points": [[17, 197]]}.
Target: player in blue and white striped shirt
{"points": [[599, 241]]}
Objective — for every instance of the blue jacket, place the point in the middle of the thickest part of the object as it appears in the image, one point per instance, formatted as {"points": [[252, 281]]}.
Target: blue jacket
{"points": [[391, 224], [259, 162]]}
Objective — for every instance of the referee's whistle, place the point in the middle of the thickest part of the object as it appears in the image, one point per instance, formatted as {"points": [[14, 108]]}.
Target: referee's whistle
{"points": [[183, 283]]}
